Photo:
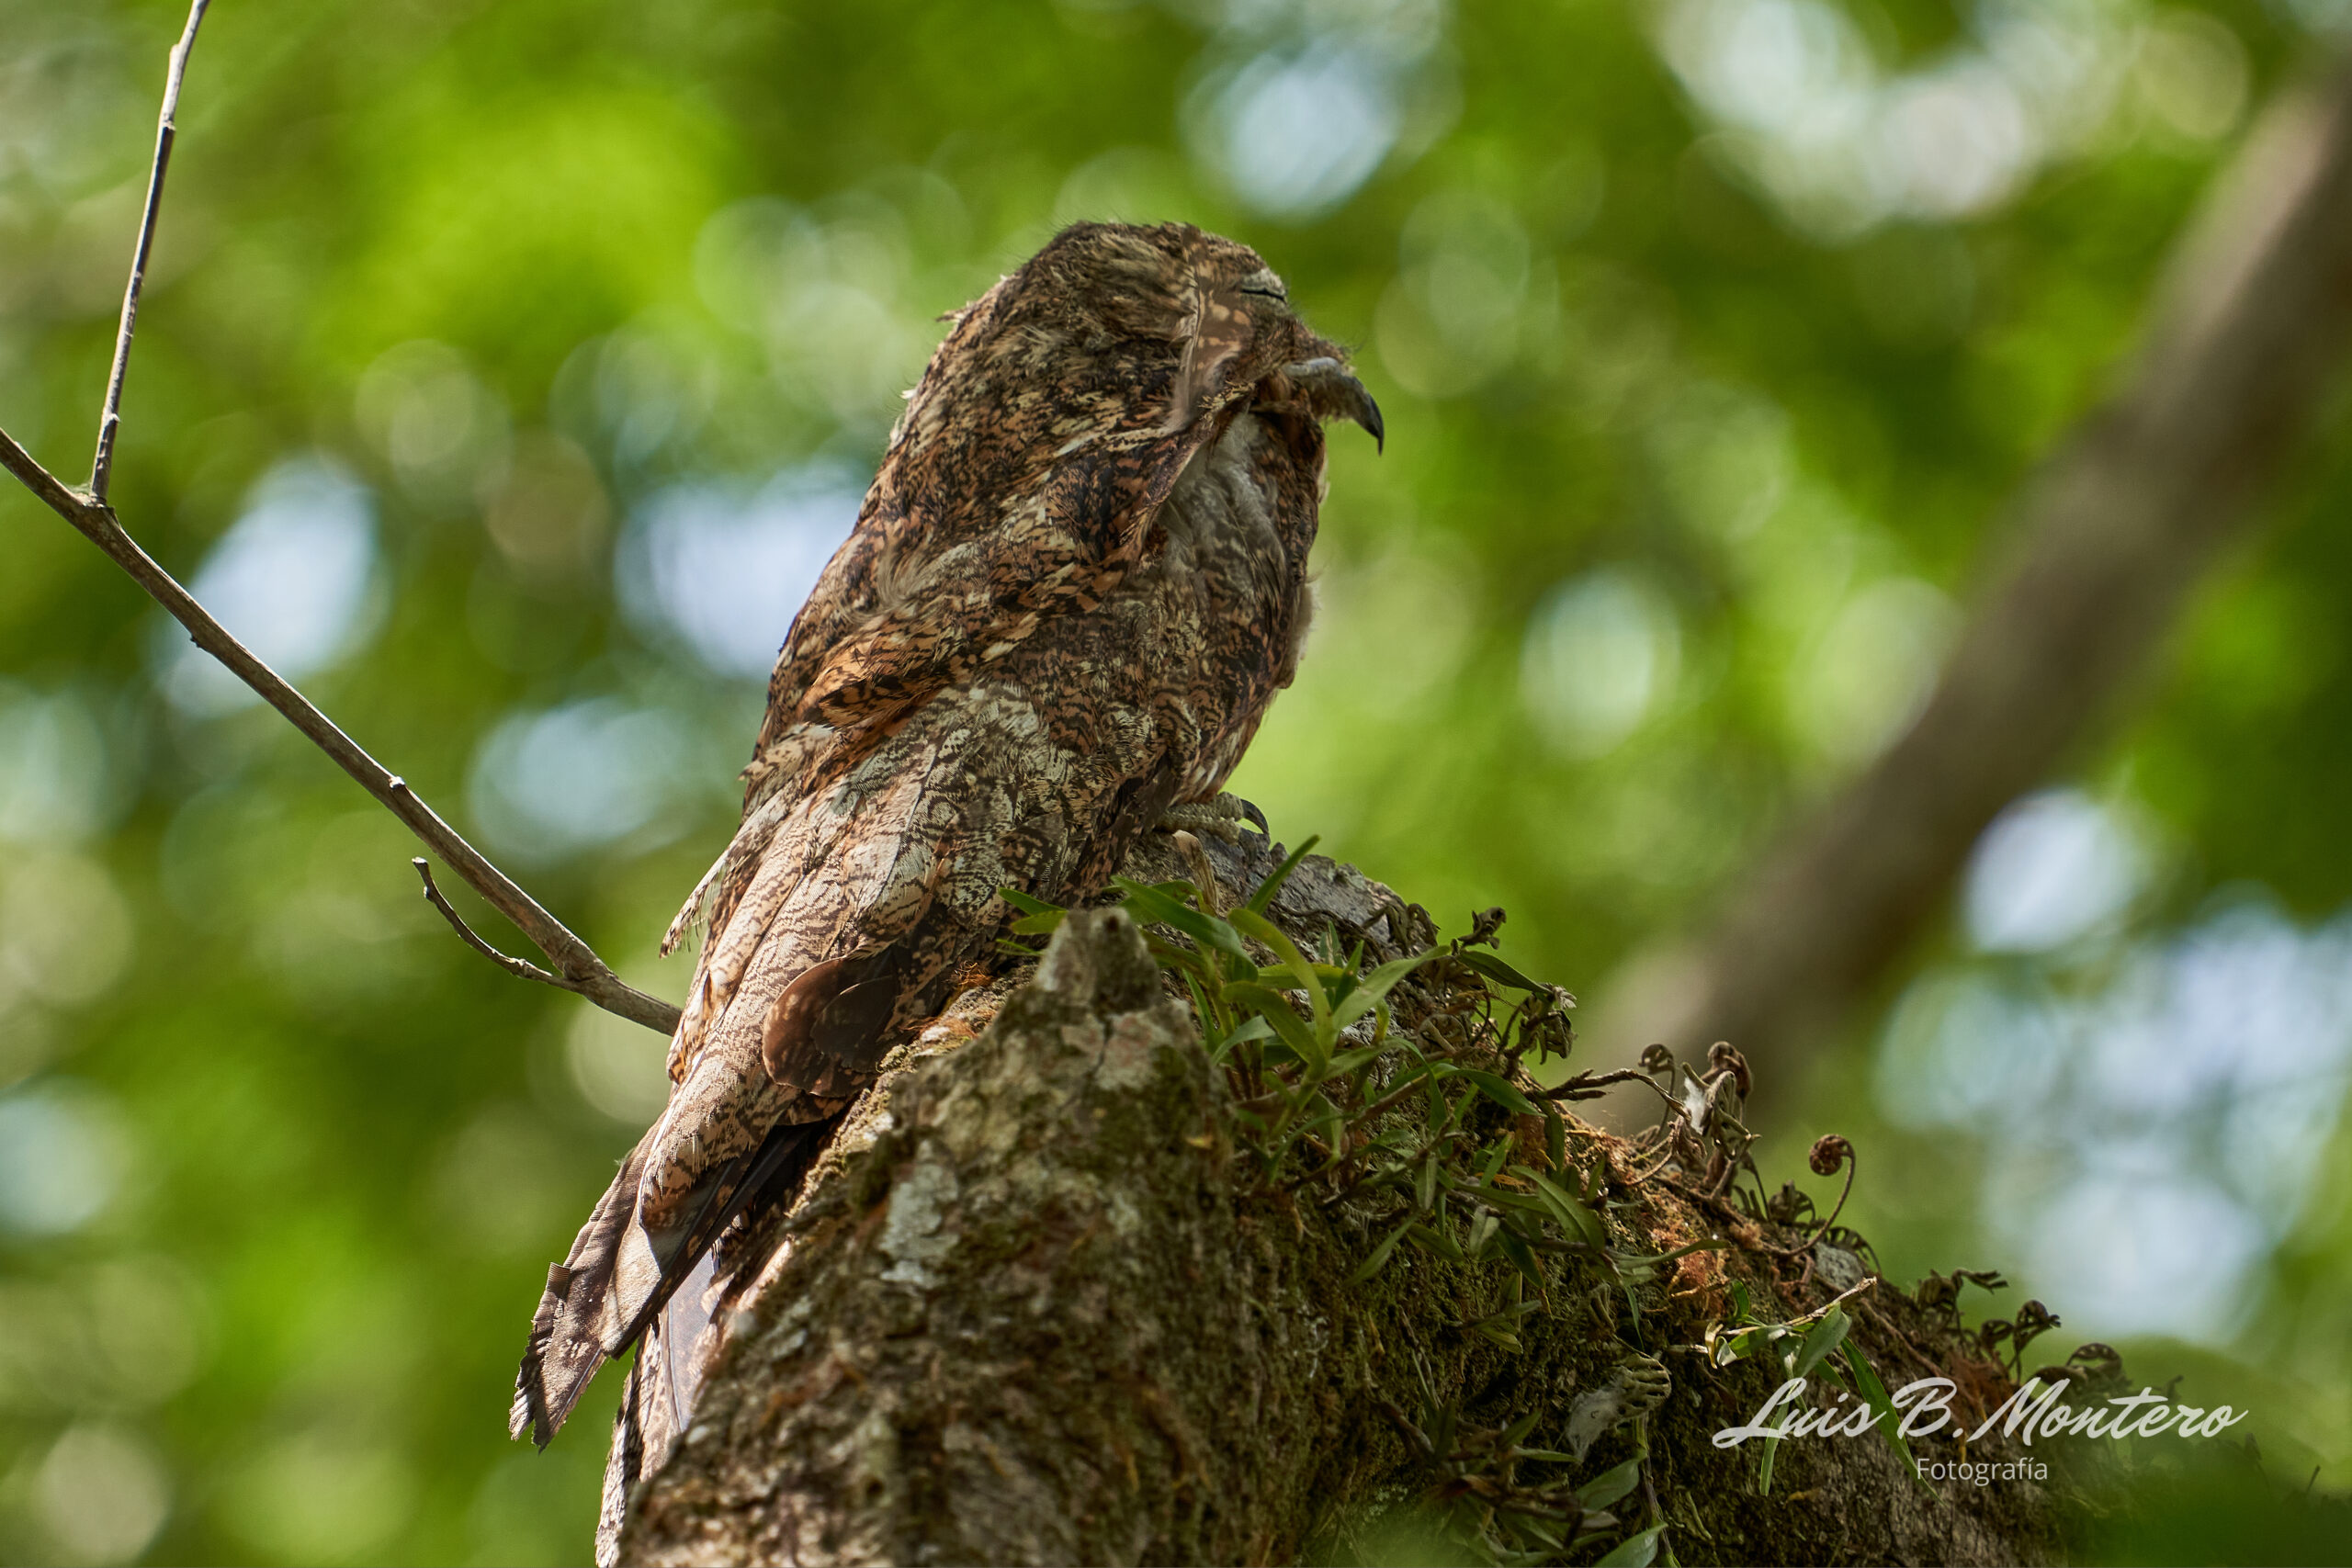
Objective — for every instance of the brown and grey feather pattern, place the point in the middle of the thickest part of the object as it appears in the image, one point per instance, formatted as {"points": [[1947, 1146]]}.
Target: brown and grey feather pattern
{"points": [[1078, 579]]}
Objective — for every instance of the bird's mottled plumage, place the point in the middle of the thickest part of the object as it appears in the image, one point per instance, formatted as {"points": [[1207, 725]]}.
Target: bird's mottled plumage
{"points": [[1078, 579]]}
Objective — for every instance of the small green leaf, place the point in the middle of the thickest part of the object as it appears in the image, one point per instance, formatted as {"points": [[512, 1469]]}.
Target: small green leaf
{"points": [[1439, 1427], [1521, 1256], [1211, 1016], [1499, 1336], [1253, 924], [1379, 1255], [1274, 1008], [1576, 1221], [1635, 1550], [1026, 905], [1763, 1339], [1261, 999], [1555, 1136], [1372, 987], [1154, 906], [1514, 1201], [1611, 1485], [1430, 1239], [1349, 1062], [1254, 1026], [1764, 1480], [1172, 955], [1824, 1338], [1713, 1244], [1549, 1535], [1494, 968], [1494, 1162], [1498, 1090], [1875, 1395], [1264, 899], [1251, 1028]]}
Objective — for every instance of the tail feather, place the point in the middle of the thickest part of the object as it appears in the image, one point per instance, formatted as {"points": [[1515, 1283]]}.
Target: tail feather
{"points": [[620, 1274], [570, 1330]]}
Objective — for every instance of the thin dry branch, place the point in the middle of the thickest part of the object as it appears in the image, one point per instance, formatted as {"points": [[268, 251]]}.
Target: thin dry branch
{"points": [[521, 968], [166, 127], [2107, 540], [578, 969]]}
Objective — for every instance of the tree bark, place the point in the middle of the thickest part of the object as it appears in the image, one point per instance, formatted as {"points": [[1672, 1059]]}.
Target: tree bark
{"points": [[2107, 542], [1034, 1307]]}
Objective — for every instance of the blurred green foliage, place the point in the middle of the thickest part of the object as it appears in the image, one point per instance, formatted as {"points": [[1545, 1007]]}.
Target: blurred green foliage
{"points": [[509, 365]]}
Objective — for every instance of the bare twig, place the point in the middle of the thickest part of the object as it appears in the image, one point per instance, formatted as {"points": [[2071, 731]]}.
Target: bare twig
{"points": [[578, 969], [166, 127], [1591, 1086], [520, 967]]}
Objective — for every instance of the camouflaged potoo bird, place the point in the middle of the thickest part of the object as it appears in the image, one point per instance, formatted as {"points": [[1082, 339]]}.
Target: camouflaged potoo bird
{"points": [[1077, 582]]}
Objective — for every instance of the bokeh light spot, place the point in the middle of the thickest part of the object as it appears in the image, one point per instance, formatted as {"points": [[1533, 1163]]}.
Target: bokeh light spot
{"points": [[727, 571], [1872, 667], [1602, 653], [2052, 868], [550, 783], [62, 1155], [618, 1067], [103, 1494], [54, 779], [65, 934], [290, 579], [319, 1497]]}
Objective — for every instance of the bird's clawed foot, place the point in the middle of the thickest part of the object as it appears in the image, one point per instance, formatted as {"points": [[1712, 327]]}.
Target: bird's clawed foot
{"points": [[1221, 818], [1333, 392]]}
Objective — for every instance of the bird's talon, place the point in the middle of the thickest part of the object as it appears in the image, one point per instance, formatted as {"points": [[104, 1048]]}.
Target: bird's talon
{"points": [[1221, 818]]}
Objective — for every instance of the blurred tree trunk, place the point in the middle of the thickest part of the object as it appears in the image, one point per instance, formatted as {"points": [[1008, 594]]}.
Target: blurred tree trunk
{"points": [[1034, 1307], [2106, 544]]}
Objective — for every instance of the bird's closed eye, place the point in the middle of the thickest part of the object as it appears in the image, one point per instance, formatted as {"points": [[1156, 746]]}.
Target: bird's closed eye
{"points": [[1264, 283]]}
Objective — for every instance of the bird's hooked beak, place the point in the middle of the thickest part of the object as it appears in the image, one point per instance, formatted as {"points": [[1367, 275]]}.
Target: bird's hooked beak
{"points": [[1332, 392]]}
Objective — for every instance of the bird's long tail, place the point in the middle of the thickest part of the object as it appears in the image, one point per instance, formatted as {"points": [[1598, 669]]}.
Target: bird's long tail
{"points": [[620, 1273], [570, 1330]]}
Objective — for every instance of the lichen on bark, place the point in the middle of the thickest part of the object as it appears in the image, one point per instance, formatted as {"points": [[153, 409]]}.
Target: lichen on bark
{"points": [[1038, 1305]]}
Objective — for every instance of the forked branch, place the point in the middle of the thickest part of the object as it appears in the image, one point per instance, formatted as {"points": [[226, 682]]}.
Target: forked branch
{"points": [[576, 966]]}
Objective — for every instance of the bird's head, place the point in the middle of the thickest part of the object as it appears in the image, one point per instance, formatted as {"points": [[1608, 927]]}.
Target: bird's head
{"points": [[1225, 314]]}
